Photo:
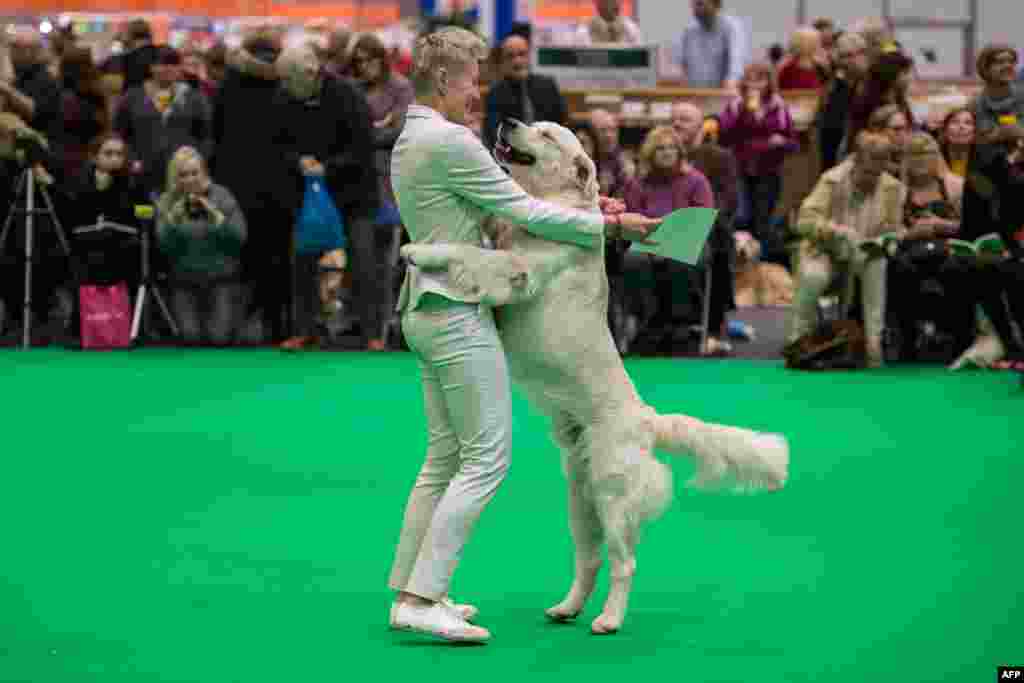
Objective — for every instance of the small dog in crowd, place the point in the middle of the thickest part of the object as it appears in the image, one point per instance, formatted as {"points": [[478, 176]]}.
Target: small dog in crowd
{"points": [[756, 283]]}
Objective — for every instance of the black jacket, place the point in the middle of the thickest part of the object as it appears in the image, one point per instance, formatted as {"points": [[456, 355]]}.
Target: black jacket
{"points": [[241, 140], [334, 128], [505, 101]]}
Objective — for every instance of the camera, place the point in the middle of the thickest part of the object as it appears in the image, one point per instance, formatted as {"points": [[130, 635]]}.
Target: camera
{"points": [[194, 208]]}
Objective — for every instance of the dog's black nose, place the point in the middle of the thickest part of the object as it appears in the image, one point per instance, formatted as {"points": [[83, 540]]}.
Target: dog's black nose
{"points": [[512, 123]]}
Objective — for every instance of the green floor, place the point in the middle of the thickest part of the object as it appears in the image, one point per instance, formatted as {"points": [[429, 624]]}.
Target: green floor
{"points": [[230, 516]]}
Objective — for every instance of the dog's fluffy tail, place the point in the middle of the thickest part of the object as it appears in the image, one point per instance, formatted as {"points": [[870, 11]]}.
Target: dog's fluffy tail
{"points": [[726, 457]]}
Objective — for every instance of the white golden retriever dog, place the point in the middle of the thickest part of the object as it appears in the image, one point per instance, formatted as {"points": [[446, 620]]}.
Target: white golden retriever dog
{"points": [[554, 326]]}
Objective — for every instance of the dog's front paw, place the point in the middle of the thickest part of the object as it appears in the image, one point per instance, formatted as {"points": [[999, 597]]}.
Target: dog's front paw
{"points": [[605, 625], [561, 612]]}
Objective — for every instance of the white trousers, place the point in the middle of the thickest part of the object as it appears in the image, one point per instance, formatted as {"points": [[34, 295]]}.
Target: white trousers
{"points": [[468, 403], [815, 272]]}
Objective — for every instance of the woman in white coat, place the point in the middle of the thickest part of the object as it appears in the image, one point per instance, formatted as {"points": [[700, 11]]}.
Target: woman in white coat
{"points": [[446, 184]]}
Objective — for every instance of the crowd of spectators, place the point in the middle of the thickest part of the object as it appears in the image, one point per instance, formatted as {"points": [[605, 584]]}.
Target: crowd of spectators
{"points": [[221, 143]]}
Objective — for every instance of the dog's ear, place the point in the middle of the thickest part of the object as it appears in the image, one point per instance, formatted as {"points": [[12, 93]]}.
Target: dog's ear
{"points": [[586, 176]]}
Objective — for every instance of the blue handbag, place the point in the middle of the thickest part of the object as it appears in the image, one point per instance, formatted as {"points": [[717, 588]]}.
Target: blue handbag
{"points": [[319, 227]]}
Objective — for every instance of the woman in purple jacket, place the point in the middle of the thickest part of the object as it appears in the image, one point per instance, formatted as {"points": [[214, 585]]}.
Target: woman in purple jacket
{"points": [[758, 127], [666, 182]]}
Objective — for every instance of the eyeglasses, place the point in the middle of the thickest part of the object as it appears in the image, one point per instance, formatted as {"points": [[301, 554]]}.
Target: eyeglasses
{"points": [[851, 55], [666, 148]]}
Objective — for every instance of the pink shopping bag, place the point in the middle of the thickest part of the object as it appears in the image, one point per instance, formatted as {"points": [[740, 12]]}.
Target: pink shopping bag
{"points": [[106, 316]]}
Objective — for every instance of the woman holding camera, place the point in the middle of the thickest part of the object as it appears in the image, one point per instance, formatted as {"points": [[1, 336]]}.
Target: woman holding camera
{"points": [[201, 229], [932, 215]]}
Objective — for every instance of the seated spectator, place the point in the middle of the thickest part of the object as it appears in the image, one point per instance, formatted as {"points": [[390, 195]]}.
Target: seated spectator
{"points": [[719, 166], [999, 284], [713, 50], [802, 70], [758, 127], [163, 115], [891, 121], [201, 230], [520, 94], [104, 189], [664, 184], [1001, 102], [956, 139], [85, 105], [932, 214], [851, 202], [608, 26]]}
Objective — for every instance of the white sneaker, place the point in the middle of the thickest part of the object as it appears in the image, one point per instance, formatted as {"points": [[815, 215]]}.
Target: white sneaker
{"points": [[436, 620], [467, 612]]}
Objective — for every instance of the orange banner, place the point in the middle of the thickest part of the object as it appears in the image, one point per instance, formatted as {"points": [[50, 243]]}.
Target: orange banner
{"points": [[570, 10]]}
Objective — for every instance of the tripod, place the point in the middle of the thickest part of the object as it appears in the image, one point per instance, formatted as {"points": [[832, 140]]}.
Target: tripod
{"points": [[148, 285], [25, 190]]}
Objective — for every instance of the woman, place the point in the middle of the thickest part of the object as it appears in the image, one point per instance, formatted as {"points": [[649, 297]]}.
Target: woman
{"points": [[201, 230], [163, 115], [86, 108], [759, 128], [932, 214], [104, 189], [803, 70], [888, 82], [668, 182], [957, 138], [389, 95], [852, 202], [446, 183], [890, 120], [999, 279]]}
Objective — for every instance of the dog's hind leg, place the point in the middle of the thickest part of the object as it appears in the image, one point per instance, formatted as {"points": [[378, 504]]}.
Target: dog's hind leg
{"points": [[621, 535], [584, 523]]}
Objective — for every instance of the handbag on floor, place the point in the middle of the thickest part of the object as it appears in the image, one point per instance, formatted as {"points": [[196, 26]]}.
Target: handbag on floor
{"points": [[106, 316], [835, 345]]}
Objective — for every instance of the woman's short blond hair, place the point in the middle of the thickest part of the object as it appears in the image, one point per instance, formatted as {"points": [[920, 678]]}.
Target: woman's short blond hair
{"points": [[659, 135], [442, 54]]}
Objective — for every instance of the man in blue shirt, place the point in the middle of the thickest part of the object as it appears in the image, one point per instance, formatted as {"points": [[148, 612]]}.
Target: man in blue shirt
{"points": [[713, 49]]}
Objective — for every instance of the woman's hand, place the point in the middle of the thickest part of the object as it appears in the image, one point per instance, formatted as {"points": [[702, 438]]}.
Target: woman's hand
{"points": [[611, 206], [634, 227], [212, 211]]}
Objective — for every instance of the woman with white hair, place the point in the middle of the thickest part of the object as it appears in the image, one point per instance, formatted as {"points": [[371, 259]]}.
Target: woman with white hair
{"points": [[446, 183], [201, 229]]}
